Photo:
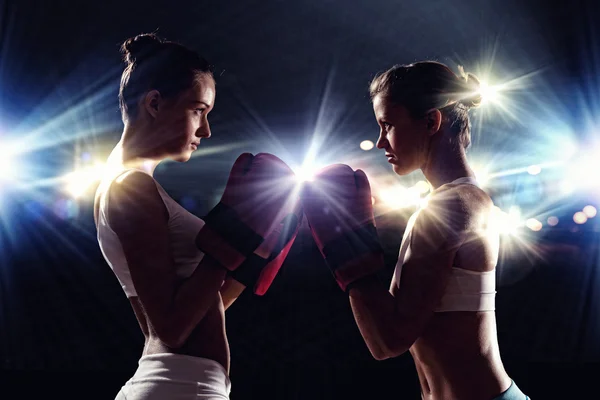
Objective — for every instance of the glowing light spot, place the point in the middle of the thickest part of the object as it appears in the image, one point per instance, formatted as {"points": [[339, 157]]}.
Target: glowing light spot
{"points": [[506, 223], [533, 224], [8, 167], [567, 187], [366, 145], [580, 218], [482, 175], [306, 173], [552, 221], [568, 149], [488, 92], [422, 187], [534, 169], [400, 197], [78, 182], [590, 211]]}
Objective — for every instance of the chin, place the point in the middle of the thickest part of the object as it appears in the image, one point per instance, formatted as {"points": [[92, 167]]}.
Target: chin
{"points": [[402, 170], [183, 157]]}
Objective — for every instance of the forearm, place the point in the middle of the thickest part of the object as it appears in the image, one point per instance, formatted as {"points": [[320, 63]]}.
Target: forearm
{"points": [[374, 310], [230, 291]]}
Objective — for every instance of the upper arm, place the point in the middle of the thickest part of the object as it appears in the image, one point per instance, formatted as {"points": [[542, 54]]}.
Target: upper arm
{"points": [[139, 217], [439, 230]]}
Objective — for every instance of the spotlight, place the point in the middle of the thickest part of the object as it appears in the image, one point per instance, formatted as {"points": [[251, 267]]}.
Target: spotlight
{"points": [[8, 167], [487, 92], [481, 175], [506, 223], [552, 221], [78, 182], [305, 173]]}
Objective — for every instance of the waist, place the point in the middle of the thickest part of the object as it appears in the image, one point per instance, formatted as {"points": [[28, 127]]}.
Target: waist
{"points": [[180, 367], [201, 345]]}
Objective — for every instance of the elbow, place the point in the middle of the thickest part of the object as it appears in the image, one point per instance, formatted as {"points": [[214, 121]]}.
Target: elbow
{"points": [[381, 354], [389, 348]]}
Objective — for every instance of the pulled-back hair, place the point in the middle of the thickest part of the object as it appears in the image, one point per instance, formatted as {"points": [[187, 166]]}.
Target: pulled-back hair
{"points": [[156, 64], [427, 85]]}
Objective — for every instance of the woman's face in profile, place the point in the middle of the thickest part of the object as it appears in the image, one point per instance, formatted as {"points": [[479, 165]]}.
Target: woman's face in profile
{"points": [[403, 138], [182, 122]]}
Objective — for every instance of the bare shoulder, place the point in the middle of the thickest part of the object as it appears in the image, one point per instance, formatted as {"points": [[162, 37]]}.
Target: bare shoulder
{"points": [[451, 212], [134, 197], [462, 201]]}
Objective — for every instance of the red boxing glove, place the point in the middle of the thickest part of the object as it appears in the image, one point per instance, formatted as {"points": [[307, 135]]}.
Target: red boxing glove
{"points": [[258, 272], [339, 211], [258, 198]]}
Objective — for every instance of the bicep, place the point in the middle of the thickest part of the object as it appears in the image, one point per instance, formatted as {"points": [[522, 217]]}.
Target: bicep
{"points": [[139, 218]]}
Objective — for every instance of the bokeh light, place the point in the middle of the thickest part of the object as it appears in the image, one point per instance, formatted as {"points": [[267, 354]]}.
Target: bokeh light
{"points": [[580, 218], [590, 211], [366, 145]]}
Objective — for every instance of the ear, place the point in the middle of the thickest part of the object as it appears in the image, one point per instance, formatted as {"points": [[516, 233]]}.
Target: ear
{"points": [[151, 102], [433, 120]]}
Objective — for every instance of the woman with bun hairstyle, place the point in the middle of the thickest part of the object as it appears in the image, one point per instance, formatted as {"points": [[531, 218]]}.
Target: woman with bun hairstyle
{"points": [[178, 271], [441, 302]]}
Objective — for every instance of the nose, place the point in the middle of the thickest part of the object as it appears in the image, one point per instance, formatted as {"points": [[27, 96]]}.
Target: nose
{"points": [[204, 130], [381, 141]]}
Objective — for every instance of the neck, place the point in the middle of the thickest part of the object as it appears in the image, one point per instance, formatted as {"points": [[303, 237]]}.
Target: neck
{"points": [[128, 153], [445, 164]]}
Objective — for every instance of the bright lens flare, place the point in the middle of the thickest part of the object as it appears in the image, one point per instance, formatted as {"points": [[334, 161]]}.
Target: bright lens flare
{"points": [[488, 93], [507, 223], [400, 197], [366, 145], [590, 211], [482, 175], [78, 182], [8, 168], [422, 187], [305, 173]]}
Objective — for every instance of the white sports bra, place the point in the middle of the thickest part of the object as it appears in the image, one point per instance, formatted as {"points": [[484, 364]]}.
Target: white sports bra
{"points": [[467, 290], [183, 227]]}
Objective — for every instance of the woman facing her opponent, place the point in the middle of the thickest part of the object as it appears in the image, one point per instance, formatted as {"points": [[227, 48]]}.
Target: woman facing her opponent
{"points": [[173, 266], [441, 302]]}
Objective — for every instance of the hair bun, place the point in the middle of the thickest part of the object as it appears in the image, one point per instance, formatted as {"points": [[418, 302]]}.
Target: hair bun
{"points": [[472, 89], [140, 46]]}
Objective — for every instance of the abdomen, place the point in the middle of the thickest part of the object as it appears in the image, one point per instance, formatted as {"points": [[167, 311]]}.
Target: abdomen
{"points": [[457, 357]]}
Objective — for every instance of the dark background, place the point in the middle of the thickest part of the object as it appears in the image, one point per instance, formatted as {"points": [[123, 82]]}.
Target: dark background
{"points": [[285, 71]]}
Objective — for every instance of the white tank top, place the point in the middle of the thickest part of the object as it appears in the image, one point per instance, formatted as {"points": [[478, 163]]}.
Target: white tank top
{"points": [[183, 227], [466, 290]]}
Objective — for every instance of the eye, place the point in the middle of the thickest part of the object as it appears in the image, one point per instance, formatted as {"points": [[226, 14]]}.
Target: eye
{"points": [[386, 126], [199, 110]]}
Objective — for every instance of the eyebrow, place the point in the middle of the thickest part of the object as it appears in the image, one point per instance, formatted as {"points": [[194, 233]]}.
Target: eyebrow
{"points": [[200, 102]]}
